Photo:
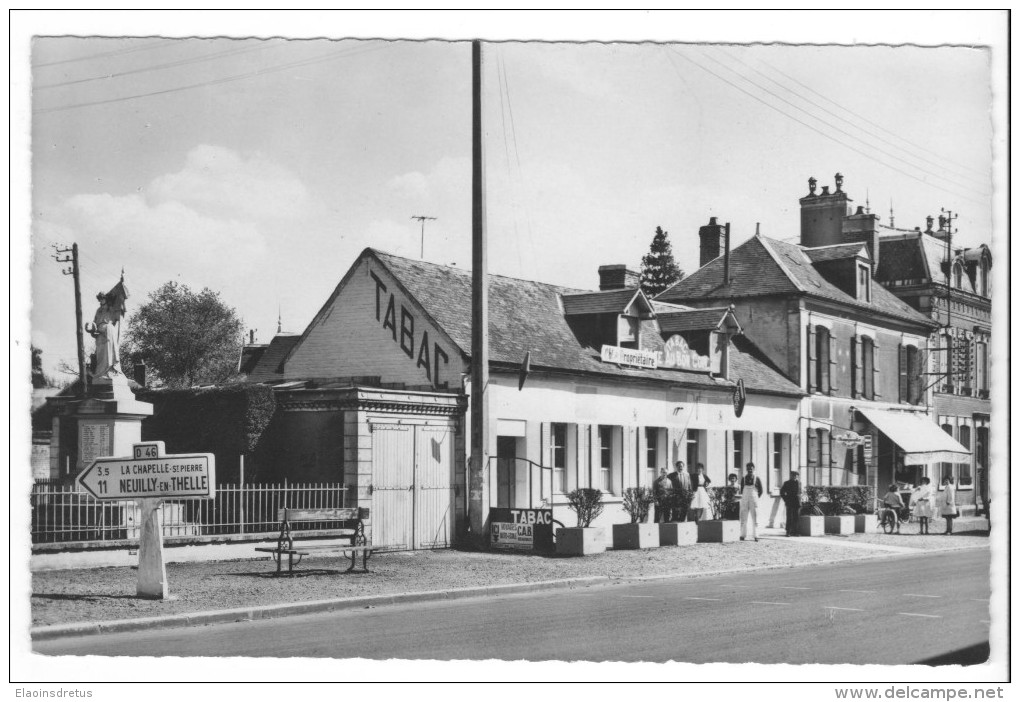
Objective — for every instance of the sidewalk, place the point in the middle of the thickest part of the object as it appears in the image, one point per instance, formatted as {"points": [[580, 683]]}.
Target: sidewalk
{"points": [[77, 602]]}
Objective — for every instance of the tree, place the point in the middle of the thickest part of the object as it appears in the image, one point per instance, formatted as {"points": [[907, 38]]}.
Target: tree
{"points": [[39, 379], [184, 338], [658, 268]]}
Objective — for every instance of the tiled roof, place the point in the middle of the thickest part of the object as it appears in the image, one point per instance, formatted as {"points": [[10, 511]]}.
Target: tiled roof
{"points": [[902, 258], [268, 366], [762, 266], [613, 301], [527, 316], [692, 320], [836, 252], [250, 355]]}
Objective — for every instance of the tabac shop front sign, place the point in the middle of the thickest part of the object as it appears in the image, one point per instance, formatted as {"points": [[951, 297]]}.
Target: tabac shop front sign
{"points": [[678, 354]]}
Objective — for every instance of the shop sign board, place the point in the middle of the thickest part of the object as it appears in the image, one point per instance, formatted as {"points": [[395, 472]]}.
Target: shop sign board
{"points": [[849, 439], [520, 529], [866, 441], [629, 357]]}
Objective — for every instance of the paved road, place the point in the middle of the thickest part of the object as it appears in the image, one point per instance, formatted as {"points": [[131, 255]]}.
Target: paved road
{"points": [[930, 608]]}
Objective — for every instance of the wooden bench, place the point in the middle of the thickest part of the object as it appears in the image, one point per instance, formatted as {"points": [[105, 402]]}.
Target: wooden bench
{"points": [[352, 528]]}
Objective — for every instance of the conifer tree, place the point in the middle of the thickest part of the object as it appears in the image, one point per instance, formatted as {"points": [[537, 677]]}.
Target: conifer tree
{"points": [[658, 267]]}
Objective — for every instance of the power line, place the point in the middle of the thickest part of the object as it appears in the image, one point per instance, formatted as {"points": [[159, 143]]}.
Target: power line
{"points": [[229, 79], [865, 119], [819, 131], [172, 64], [843, 131], [118, 52], [840, 117]]}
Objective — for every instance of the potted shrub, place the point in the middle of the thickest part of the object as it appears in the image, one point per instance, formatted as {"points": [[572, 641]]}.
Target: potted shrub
{"points": [[637, 534], [839, 516], [863, 505], [724, 525], [582, 539], [812, 521], [679, 533]]}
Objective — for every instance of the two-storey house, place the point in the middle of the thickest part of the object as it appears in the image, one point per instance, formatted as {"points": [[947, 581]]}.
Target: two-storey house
{"points": [[856, 350]]}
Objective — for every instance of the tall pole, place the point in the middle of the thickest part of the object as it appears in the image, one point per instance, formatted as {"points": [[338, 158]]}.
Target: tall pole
{"points": [[477, 479], [75, 271]]}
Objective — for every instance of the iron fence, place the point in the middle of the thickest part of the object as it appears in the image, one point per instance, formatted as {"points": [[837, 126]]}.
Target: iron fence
{"points": [[62, 513]]}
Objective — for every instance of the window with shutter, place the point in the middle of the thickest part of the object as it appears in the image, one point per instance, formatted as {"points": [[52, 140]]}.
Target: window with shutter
{"points": [[913, 375], [809, 369], [904, 390], [833, 367], [876, 363], [812, 456], [855, 369], [868, 366], [823, 348]]}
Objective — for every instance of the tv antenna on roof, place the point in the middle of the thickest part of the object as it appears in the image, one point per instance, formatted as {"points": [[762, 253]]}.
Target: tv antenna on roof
{"points": [[422, 218]]}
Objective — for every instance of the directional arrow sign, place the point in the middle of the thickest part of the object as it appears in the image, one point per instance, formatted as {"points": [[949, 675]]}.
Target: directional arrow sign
{"points": [[174, 475]]}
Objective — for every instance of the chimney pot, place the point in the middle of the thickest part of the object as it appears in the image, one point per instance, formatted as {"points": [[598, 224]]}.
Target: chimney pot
{"points": [[825, 190], [860, 209], [712, 221]]}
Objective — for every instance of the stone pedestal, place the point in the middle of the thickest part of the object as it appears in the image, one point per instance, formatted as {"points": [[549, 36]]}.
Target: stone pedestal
{"points": [[718, 531], [109, 420], [839, 524], [631, 536], [810, 525], [578, 541], [678, 533], [865, 523]]}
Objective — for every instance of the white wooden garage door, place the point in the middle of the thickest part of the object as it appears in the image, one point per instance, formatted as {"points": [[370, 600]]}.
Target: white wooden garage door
{"points": [[412, 487]]}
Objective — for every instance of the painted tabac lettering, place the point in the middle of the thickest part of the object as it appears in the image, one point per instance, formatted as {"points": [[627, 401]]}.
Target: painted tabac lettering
{"points": [[429, 357]]}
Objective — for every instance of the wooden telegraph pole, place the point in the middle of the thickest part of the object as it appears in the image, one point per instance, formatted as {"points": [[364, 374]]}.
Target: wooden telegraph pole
{"points": [[477, 477], [75, 271]]}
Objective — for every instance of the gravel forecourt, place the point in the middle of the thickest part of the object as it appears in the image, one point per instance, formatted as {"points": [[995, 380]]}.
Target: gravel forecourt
{"points": [[105, 594]]}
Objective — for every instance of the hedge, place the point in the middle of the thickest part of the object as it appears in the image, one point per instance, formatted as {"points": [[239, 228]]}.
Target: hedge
{"points": [[840, 499], [226, 421]]}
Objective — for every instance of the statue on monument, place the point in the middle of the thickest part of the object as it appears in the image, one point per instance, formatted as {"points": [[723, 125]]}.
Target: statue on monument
{"points": [[105, 329]]}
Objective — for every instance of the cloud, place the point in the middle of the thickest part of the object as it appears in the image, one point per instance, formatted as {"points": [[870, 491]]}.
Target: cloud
{"points": [[217, 180]]}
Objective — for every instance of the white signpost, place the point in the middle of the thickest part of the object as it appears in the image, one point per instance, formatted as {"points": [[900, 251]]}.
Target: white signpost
{"points": [[149, 477]]}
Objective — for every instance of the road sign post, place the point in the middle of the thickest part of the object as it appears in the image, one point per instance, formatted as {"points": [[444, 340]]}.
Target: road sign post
{"points": [[148, 477]]}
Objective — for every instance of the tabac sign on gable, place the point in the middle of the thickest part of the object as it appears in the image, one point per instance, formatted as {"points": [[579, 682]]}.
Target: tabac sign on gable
{"points": [[678, 354], [416, 345]]}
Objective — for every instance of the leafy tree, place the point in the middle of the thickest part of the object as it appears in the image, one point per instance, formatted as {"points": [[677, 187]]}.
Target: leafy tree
{"points": [[184, 338], [658, 267], [39, 379]]}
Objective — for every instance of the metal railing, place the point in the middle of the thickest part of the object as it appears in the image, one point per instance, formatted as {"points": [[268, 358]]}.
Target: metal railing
{"points": [[62, 513]]}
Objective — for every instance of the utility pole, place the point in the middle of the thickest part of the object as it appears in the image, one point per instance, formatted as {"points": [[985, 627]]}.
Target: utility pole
{"points": [[478, 478], [422, 218], [75, 270]]}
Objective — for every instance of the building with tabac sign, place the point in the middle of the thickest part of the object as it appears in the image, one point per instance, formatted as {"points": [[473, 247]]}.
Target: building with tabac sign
{"points": [[615, 387]]}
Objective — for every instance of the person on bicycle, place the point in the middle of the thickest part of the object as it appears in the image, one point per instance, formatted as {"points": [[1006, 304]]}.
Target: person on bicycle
{"points": [[893, 504]]}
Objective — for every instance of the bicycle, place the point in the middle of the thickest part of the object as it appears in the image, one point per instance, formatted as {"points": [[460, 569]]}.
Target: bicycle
{"points": [[890, 519]]}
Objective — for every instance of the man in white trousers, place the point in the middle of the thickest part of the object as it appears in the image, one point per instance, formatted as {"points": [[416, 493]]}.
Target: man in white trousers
{"points": [[750, 491]]}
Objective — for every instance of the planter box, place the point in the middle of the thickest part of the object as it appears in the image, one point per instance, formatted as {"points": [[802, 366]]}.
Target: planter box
{"points": [[718, 531], [578, 541], [678, 533], [629, 536], [839, 524], [865, 523], [811, 526]]}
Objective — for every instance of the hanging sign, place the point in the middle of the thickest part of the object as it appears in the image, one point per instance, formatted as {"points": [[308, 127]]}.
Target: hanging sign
{"points": [[739, 397], [866, 441], [849, 439]]}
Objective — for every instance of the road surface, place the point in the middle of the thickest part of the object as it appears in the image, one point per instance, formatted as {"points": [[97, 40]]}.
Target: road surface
{"points": [[917, 609]]}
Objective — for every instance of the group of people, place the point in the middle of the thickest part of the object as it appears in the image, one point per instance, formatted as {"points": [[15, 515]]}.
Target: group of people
{"points": [[923, 499], [680, 495]]}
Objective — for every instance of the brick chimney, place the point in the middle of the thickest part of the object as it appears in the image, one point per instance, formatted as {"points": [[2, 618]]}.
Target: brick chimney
{"points": [[863, 227], [713, 241], [617, 276], [821, 215]]}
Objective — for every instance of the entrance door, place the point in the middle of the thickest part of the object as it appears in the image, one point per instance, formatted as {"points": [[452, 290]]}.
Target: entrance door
{"points": [[433, 495], [412, 490], [506, 470], [393, 486]]}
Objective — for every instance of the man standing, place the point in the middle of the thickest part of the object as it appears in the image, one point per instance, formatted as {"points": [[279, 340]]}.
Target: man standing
{"points": [[662, 489], [750, 491], [681, 483], [790, 492]]}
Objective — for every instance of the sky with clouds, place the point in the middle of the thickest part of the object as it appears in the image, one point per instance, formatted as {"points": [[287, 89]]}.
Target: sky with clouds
{"points": [[261, 168]]}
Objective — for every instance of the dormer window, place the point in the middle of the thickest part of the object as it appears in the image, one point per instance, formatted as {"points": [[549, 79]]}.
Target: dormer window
{"points": [[628, 332], [863, 282]]}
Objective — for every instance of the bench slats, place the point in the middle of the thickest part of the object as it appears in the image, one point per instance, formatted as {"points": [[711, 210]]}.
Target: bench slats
{"points": [[334, 514]]}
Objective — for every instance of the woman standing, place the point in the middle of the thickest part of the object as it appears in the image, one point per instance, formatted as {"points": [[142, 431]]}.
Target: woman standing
{"points": [[700, 501], [922, 501], [949, 509]]}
